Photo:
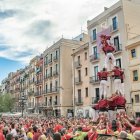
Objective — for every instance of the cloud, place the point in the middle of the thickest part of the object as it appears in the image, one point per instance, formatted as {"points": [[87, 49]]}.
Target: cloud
{"points": [[28, 26]]}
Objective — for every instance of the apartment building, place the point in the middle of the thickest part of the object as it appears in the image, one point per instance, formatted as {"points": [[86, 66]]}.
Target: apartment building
{"points": [[133, 51], [81, 96], [57, 75], [114, 21]]}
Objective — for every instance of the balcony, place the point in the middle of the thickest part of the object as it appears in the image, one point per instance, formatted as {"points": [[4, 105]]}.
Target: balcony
{"points": [[31, 81], [55, 73], [31, 105], [94, 100], [78, 81], [38, 94], [49, 75], [56, 103], [77, 64], [39, 70], [46, 63], [55, 90], [50, 61], [118, 49], [38, 82], [55, 58], [79, 101], [38, 104], [94, 80], [49, 104], [94, 57], [30, 93]]}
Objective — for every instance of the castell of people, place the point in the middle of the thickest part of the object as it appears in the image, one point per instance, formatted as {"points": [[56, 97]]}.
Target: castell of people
{"points": [[70, 70]]}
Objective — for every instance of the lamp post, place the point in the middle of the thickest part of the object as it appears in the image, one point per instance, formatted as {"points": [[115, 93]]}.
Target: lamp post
{"points": [[22, 102]]}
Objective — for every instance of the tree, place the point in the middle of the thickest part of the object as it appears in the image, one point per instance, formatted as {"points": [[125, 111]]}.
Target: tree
{"points": [[6, 103]]}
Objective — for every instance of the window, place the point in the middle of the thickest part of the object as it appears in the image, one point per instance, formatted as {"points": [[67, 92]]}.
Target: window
{"points": [[94, 34], [56, 85], [135, 75], [114, 23], [95, 73], [56, 67], [46, 101], [56, 54], [50, 87], [51, 57], [116, 43], [86, 71], [46, 87], [79, 95], [79, 59], [79, 75], [46, 72], [50, 71], [86, 90], [97, 93], [133, 53], [95, 52], [137, 99], [46, 59], [118, 62], [85, 55], [81, 39]]}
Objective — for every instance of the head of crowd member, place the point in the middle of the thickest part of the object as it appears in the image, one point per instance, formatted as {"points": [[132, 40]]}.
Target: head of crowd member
{"points": [[123, 136], [35, 129], [104, 69], [114, 125], [57, 136], [137, 135], [10, 137]]}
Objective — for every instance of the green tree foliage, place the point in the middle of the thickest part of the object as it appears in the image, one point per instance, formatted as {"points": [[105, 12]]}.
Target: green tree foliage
{"points": [[6, 103]]}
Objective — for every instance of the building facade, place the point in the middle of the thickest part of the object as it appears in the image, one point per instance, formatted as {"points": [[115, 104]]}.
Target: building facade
{"points": [[133, 51], [113, 21]]}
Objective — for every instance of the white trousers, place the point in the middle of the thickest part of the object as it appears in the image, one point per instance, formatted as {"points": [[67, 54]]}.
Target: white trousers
{"points": [[112, 115], [117, 85], [107, 58], [122, 85], [120, 110], [103, 88]]}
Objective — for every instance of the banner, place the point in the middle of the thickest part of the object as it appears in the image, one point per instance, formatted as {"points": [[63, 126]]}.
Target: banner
{"points": [[105, 32]]}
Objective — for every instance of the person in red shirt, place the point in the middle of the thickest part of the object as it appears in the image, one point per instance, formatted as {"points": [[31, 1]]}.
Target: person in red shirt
{"points": [[103, 105], [108, 49], [92, 135], [1, 133], [102, 75], [117, 72]]}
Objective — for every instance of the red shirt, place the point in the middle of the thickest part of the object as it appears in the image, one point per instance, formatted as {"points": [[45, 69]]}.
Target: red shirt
{"points": [[2, 136], [111, 105], [117, 72], [103, 74], [36, 136], [58, 127], [92, 135], [66, 137], [120, 101], [103, 103]]}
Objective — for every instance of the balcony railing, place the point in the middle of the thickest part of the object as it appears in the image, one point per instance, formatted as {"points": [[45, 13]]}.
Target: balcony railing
{"points": [[94, 57], [55, 90], [50, 104], [56, 103], [52, 90], [55, 58], [38, 104], [38, 93], [55, 73], [50, 61], [31, 105], [77, 64], [38, 82], [30, 93], [79, 101], [78, 81], [118, 49], [94, 100], [94, 80], [46, 63], [49, 75]]}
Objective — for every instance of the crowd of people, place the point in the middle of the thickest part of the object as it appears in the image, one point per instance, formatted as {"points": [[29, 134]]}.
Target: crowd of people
{"points": [[34, 128]]}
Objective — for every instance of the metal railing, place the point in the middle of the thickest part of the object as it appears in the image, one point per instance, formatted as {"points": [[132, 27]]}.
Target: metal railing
{"points": [[94, 57], [77, 64], [94, 100], [55, 73], [55, 57], [79, 101], [78, 80], [94, 80]]}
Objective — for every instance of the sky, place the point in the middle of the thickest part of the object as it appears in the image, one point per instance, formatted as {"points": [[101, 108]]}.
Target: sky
{"points": [[28, 27]]}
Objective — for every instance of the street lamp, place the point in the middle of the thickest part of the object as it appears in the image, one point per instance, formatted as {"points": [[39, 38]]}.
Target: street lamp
{"points": [[22, 102]]}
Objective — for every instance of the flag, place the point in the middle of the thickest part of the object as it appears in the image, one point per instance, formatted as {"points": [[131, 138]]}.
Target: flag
{"points": [[105, 32]]}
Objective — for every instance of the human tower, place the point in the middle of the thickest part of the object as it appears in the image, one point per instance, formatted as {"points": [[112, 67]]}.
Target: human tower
{"points": [[115, 103]]}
